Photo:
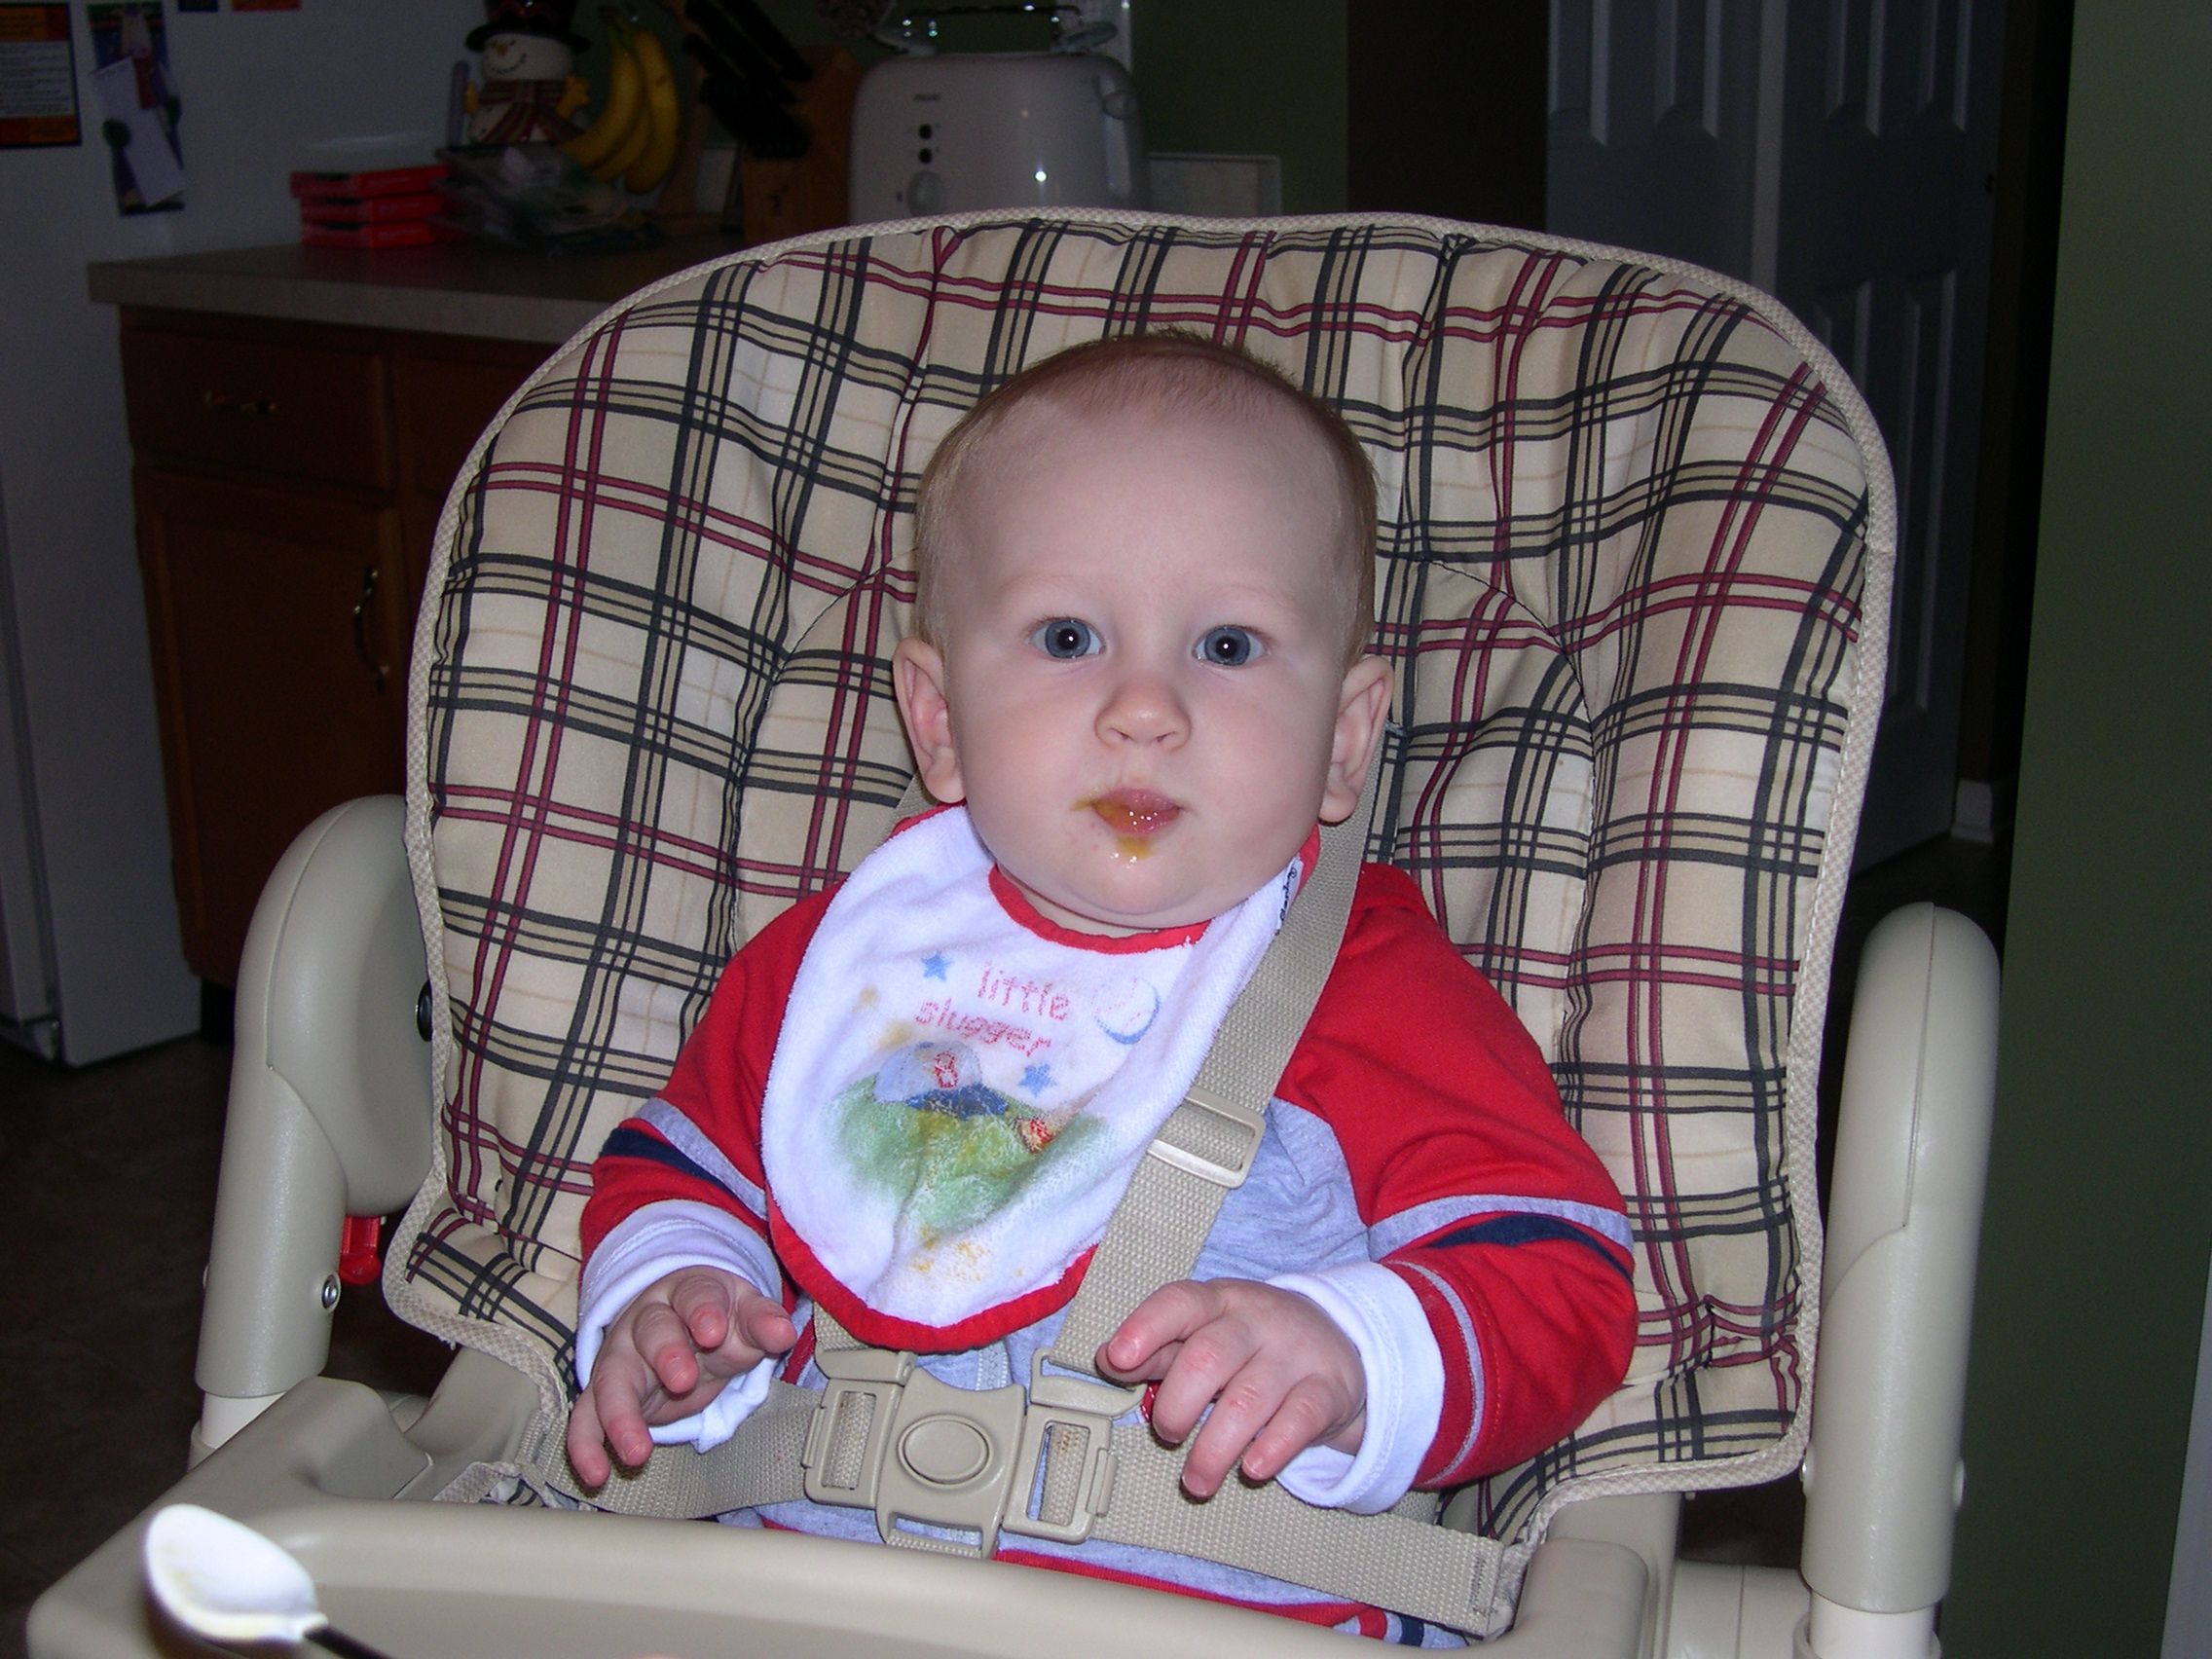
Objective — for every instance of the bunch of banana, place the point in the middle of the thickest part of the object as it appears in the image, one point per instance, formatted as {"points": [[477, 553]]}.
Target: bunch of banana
{"points": [[636, 135]]}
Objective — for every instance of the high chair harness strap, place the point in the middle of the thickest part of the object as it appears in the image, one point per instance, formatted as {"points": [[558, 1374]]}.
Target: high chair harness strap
{"points": [[949, 1470]]}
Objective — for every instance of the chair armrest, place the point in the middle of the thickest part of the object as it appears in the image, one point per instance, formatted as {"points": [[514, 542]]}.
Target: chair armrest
{"points": [[330, 1102], [1581, 1600], [1883, 1477]]}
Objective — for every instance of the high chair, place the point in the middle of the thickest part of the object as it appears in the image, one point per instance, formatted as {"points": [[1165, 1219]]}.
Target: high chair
{"points": [[1638, 533]]}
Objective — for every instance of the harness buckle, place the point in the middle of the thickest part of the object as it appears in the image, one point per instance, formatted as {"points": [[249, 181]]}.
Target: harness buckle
{"points": [[1067, 1454], [1212, 1137], [852, 1423], [890, 1437]]}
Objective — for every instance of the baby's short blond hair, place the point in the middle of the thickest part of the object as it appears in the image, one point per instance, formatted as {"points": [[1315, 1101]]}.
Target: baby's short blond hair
{"points": [[1172, 372]]}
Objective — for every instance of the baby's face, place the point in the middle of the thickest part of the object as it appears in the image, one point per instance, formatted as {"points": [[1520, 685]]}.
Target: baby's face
{"points": [[1142, 695]]}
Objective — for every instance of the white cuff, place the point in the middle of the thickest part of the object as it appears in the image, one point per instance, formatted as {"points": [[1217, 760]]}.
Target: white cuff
{"points": [[1382, 1317], [646, 1247]]}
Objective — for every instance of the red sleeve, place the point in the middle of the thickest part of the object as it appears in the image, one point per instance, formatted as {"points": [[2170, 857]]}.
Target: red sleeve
{"points": [[1475, 1189], [716, 1087]]}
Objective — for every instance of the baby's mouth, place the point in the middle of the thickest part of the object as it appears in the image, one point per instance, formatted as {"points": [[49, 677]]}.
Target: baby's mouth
{"points": [[1138, 813]]}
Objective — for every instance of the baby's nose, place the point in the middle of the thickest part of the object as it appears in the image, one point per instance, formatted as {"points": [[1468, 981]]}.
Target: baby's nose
{"points": [[1144, 709]]}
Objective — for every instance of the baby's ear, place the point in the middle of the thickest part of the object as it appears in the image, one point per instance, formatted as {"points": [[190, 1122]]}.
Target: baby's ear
{"points": [[1363, 707], [917, 676]]}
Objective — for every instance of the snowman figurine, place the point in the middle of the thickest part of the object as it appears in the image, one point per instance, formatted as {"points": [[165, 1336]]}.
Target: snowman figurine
{"points": [[530, 90]]}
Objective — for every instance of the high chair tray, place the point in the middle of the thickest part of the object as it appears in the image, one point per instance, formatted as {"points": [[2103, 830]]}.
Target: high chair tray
{"points": [[424, 1580]]}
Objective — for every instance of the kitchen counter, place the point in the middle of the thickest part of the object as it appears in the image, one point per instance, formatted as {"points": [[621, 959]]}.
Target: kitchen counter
{"points": [[458, 288]]}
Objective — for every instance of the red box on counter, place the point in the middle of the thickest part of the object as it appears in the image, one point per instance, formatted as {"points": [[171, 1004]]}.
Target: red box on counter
{"points": [[369, 209], [384, 181], [404, 233]]}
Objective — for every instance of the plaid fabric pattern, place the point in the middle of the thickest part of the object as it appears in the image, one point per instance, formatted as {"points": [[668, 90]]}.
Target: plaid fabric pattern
{"points": [[1634, 543]]}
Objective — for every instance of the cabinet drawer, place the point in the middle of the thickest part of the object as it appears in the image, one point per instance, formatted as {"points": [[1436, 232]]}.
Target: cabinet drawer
{"points": [[286, 409]]}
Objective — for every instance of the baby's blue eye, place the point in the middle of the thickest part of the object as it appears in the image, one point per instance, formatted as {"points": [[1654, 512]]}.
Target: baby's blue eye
{"points": [[1228, 647], [1065, 639]]}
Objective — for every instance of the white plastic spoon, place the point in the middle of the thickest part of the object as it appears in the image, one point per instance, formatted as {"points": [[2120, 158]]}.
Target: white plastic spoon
{"points": [[226, 1582]]}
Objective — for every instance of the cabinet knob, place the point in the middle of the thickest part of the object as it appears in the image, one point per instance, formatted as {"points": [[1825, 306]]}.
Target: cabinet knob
{"points": [[217, 403]]}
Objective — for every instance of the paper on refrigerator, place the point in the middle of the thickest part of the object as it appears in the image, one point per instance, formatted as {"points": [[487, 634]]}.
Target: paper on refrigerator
{"points": [[153, 163]]}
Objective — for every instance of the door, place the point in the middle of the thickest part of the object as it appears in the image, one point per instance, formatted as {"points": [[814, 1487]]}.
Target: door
{"points": [[1889, 192], [1841, 155], [1655, 129], [279, 643]]}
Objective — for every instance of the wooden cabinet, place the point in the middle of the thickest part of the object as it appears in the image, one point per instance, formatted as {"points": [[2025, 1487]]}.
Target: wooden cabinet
{"points": [[288, 484]]}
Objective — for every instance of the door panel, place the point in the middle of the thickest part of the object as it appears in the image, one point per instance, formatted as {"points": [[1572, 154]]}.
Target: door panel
{"points": [[1654, 126], [276, 701]]}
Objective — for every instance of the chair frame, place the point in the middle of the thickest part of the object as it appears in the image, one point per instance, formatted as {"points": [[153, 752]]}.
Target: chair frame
{"points": [[331, 1113]]}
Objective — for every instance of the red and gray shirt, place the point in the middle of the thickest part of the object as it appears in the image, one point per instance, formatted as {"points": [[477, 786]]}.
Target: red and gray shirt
{"points": [[1417, 1179]]}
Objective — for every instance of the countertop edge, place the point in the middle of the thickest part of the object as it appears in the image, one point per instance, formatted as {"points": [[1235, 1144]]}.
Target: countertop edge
{"points": [[410, 310]]}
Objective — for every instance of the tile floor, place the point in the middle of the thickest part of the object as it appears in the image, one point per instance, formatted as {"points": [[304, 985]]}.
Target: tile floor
{"points": [[107, 1180]]}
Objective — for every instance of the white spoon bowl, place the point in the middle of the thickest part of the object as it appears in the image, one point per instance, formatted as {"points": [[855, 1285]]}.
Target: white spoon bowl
{"points": [[228, 1584]]}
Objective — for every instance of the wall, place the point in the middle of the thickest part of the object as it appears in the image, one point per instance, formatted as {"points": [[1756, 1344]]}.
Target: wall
{"points": [[2100, 1195], [1447, 109], [259, 93], [1230, 77]]}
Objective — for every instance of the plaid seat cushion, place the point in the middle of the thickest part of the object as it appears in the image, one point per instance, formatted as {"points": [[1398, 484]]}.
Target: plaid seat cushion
{"points": [[1635, 546]]}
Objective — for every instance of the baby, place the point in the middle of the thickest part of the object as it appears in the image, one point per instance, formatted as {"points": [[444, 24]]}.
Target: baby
{"points": [[1138, 679]]}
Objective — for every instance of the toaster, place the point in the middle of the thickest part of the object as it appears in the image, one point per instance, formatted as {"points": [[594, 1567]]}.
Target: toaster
{"points": [[948, 132]]}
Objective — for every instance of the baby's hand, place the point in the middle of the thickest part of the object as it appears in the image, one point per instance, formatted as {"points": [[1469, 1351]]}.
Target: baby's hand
{"points": [[1279, 1372], [665, 1356]]}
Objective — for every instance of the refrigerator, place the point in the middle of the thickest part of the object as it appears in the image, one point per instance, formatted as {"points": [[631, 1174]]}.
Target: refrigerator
{"points": [[90, 960]]}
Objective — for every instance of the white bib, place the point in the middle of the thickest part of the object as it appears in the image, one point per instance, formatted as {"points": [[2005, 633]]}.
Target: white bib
{"points": [[956, 1102]]}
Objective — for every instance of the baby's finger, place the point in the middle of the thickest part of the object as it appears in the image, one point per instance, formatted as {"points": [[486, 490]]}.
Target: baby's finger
{"points": [[586, 1455], [765, 1328], [1250, 1399], [1205, 1366], [664, 1340], [1144, 1346], [618, 1393], [1307, 1413], [702, 1300]]}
